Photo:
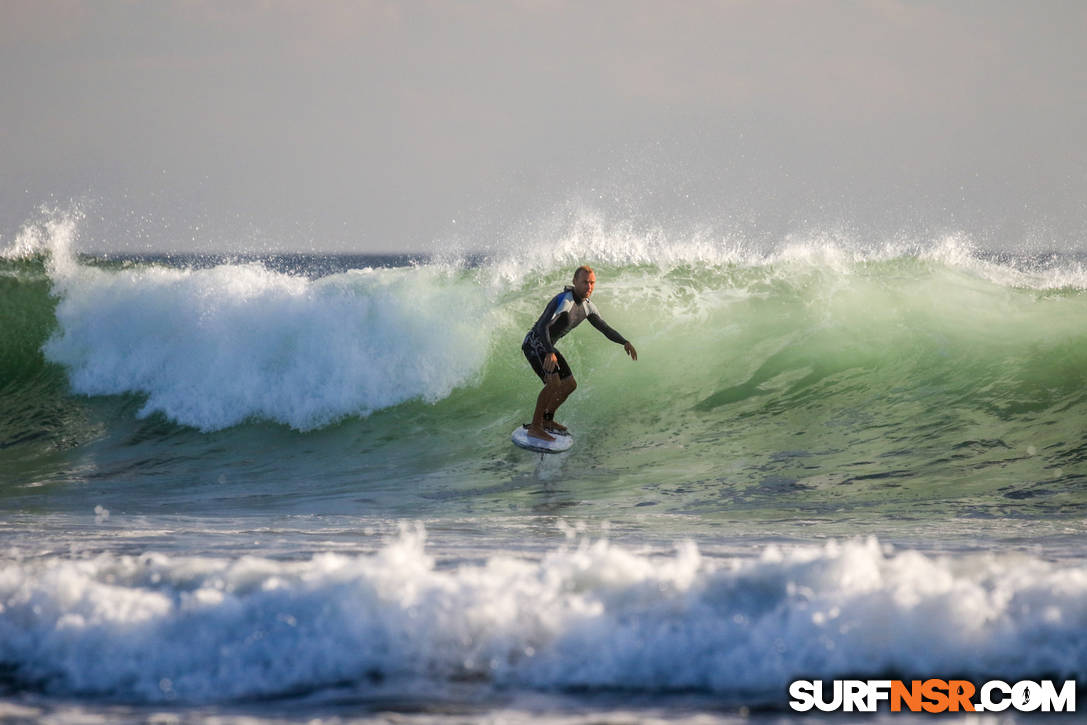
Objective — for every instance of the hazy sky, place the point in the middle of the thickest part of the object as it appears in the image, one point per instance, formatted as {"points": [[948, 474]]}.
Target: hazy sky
{"points": [[409, 126]]}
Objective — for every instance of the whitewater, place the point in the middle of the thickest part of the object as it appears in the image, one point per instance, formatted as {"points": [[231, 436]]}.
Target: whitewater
{"points": [[282, 486]]}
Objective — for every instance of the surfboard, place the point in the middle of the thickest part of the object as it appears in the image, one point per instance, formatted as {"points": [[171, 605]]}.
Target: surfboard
{"points": [[562, 441]]}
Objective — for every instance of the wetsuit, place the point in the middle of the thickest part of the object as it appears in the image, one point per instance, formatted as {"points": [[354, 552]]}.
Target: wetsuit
{"points": [[562, 314]]}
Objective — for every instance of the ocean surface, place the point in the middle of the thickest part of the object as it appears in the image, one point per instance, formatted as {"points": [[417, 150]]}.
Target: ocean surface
{"points": [[282, 489]]}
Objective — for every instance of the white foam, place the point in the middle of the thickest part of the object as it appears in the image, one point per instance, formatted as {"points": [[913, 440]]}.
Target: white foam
{"points": [[211, 348], [588, 615]]}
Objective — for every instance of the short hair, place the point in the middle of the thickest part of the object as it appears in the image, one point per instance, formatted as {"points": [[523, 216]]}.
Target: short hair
{"points": [[586, 269]]}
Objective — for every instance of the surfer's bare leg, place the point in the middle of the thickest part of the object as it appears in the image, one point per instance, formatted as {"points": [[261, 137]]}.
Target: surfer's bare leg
{"points": [[565, 387], [544, 403]]}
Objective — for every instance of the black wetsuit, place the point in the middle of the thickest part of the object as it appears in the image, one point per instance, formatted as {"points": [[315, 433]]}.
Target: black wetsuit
{"points": [[562, 314]]}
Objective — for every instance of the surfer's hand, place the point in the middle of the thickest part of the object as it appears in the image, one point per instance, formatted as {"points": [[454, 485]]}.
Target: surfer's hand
{"points": [[631, 351], [550, 363]]}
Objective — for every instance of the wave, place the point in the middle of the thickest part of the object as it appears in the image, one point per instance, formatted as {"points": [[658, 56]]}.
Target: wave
{"points": [[831, 365], [588, 616], [211, 348]]}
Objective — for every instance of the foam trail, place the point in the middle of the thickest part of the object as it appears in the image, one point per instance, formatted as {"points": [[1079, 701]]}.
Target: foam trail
{"points": [[593, 615]]}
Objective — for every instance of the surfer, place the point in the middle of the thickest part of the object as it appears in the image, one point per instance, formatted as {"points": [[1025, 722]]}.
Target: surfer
{"points": [[563, 313]]}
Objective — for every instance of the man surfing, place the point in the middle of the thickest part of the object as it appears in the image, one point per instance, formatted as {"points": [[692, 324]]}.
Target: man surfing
{"points": [[562, 314]]}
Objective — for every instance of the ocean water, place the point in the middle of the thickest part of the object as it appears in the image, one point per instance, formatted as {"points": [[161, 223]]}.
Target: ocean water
{"points": [[281, 488]]}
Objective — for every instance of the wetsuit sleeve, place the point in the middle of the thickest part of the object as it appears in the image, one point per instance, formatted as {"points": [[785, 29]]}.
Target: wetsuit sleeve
{"points": [[542, 327], [598, 322]]}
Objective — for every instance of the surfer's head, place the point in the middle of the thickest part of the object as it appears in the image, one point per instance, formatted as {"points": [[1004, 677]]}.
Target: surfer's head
{"points": [[584, 281]]}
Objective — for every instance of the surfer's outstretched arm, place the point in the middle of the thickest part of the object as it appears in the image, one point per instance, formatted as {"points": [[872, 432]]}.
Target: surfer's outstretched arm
{"points": [[612, 334]]}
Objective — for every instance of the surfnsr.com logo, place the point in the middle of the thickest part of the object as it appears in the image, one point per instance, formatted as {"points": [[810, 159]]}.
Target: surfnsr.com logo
{"points": [[932, 696]]}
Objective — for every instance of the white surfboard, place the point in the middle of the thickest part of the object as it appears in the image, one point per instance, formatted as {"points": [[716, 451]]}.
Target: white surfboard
{"points": [[562, 441]]}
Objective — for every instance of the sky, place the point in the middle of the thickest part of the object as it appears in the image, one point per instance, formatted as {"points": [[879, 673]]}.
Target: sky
{"points": [[416, 126]]}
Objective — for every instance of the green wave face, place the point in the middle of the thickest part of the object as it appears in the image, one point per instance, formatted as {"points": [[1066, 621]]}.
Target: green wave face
{"points": [[38, 417], [907, 385], [896, 380]]}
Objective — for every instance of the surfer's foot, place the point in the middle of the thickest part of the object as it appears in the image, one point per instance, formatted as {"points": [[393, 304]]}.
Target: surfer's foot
{"points": [[538, 432], [555, 427]]}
